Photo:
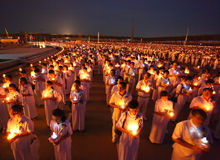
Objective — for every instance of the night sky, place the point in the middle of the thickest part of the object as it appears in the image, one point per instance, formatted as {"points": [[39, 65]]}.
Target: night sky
{"points": [[152, 18]]}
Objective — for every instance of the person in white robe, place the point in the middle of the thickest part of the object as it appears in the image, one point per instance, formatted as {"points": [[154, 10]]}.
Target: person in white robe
{"points": [[205, 103], [119, 101], [28, 98], [110, 82], [61, 127], [3, 112], [39, 79], [163, 112], [13, 97], [163, 83], [20, 127], [182, 91], [189, 135], [57, 85], [144, 88], [130, 124], [85, 80], [51, 98], [77, 97]]}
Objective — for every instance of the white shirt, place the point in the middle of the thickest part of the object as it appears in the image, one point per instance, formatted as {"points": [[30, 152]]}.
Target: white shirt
{"points": [[142, 85], [119, 100]]}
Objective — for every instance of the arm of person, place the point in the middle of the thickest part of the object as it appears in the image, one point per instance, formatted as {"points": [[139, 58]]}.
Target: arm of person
{"points": [[185, 144]]}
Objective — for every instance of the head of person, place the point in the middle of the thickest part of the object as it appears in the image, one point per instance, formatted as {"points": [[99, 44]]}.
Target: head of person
{"points": [[23, 81], [207, 93], [112, 72], [146, 77], [8, 78], [12, 88], [132, 64], [36, 71], [16, 111], [133, 107], [23, 73], [76, 85], [198, 117], [49, 84], [164, 95], [174, 65], [60, 68], [119, 79], [58, 115], [209, 83], [165, 73], [122, 87], [52, 74]]}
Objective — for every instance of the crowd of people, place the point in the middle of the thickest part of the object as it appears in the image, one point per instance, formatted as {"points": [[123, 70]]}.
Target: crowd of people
{"points": [[151, 71]]}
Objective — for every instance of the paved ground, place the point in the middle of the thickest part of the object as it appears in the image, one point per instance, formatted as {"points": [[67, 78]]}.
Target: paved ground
{"points": [[95, 142]]}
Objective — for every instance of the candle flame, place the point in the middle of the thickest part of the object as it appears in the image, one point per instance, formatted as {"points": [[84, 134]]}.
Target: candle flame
{"points": [[171, 114]]}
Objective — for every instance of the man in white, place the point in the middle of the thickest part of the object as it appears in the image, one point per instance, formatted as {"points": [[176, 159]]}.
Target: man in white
{"points": [[144, 87], [163, 112], [119, 102], [173, 74], [189, 135], [205, 103]]}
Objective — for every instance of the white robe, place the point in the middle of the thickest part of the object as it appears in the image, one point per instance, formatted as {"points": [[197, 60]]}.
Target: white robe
{"points": [[78, 110], [28, 101], [159, 124], [62, 151]]}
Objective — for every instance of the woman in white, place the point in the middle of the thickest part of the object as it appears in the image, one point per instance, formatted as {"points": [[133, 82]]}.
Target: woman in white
{"points": [[21, 126], [157, 76], [13, 97], [3, 112], [130, 124], [77, 97], [67, 74], [51, 100], [110, 82], [163, 111], [163, 83], [85, 80], [28, 98], [63, 130]]}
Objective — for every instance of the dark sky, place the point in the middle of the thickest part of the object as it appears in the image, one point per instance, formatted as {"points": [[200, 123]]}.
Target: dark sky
{"points": [[153, 18]]}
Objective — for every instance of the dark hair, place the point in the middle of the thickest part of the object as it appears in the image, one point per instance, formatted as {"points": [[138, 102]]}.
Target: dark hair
{"points": [[8, 76], [23, 79], [113, 71], [200, 112], [208, 89], [123, 84], [49, 82], [12, 85], [209, 81], [166, 71], [23, 71], [51, 71], [119, 77], [163, 94], [17, 108], [77, 82], [133, 104], [36, 70], [59, 113]]}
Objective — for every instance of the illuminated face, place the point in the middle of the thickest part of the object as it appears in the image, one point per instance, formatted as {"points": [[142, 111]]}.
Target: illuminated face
{"points": [[76, 86], [48, 86], [11, 89], [165, 75], [207, 94], [15, 115], [133, 112], [197, 120], [22, 83], [120, 88], [52, 75], [56, 119], [119, 80], [164, 98], [146, 78]]}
